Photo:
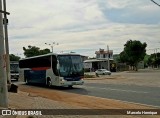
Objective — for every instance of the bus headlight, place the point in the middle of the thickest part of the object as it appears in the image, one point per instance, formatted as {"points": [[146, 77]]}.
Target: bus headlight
{"points": [[62, 80]]}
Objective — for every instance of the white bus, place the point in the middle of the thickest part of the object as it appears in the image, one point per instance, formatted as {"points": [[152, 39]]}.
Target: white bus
{"points": [[53, 69]]}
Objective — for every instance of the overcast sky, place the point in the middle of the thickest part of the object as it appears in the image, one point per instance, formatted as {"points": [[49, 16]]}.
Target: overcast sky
{"points": [[82, 26]]}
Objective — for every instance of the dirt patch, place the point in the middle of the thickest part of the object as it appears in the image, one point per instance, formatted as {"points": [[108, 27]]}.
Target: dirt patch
{"points": [[104, 77], [79, 100]]}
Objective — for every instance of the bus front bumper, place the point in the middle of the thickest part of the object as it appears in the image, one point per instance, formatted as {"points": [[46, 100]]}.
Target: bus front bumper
{"points": [[69, 83]]}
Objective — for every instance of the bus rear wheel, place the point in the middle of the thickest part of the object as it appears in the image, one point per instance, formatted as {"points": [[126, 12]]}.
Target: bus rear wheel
{"points": [[26, 81]]}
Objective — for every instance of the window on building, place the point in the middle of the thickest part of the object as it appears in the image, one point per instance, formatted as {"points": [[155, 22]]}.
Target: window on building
{"points": [[98, 55], [109, 55], [101, 55]]}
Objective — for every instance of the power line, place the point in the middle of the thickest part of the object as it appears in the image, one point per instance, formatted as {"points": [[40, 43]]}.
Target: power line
{"points": [[155, 3]]}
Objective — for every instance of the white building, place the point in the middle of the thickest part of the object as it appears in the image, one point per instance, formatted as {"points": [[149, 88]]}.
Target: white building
{"points": [[102, 54], [101, 61]]}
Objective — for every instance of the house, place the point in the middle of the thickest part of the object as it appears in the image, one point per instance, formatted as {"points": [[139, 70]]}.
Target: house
{"points": [[84, 57], [102, 54], [103, 60]]}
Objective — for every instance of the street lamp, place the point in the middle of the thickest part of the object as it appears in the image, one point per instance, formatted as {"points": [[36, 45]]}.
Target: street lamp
{"points": [[52, 45], [108, 58]]}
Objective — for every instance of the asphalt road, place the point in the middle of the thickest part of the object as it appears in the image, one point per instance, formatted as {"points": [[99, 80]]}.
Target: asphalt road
{"points": [[130, 93], [136, 89]]}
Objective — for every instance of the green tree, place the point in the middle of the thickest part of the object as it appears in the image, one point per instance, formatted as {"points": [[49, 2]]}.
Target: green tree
{"points": [[146, 58], [116, 58], [154, 60], [133, 53], [34, 51], [14, 57], [123, 57]]}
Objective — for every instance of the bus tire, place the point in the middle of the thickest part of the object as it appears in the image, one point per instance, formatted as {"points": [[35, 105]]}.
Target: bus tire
{"points": [[70, 86], [49, 82], [26, 81]]}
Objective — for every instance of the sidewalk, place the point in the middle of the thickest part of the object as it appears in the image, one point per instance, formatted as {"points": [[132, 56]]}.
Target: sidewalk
{"points": [[22, 100]]}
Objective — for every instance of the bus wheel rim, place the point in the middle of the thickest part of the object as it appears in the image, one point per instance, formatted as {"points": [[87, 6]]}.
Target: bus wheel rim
{"points": [[49, 82]]}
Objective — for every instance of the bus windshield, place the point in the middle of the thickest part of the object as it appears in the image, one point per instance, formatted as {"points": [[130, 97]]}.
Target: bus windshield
{"points": [[70, 65]]}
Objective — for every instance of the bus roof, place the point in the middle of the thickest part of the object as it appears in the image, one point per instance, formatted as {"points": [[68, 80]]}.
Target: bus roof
{"points": [[49, 54]]}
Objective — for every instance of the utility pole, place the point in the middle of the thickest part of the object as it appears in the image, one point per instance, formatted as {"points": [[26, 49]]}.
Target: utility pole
{"points": [[155, 51], [108, 58], [3, 79], [6, 43]]}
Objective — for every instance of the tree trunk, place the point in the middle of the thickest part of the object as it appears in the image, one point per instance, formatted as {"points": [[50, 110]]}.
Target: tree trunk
{"points": [[136, 67]]}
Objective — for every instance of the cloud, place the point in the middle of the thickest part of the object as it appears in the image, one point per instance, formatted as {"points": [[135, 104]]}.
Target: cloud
{"points": [[134, 12], [82, 26]]}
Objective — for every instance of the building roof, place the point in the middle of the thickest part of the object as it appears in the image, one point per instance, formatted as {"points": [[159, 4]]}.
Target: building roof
{"points": [[102, 51]]}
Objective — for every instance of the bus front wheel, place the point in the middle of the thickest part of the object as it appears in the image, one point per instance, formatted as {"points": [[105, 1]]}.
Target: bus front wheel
{"points": [[49, 83], [70, 86]]}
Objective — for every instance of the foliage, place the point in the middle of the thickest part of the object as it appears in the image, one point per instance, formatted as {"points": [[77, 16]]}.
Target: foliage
{"points": [[154, 60], [146, 60], [116, 58], [123, 57], [34, 51], [157, 61], [14, 57], [134, 52]]}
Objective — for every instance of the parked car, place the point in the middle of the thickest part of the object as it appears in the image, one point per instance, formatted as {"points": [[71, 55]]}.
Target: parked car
{"points": [[102, 72]]}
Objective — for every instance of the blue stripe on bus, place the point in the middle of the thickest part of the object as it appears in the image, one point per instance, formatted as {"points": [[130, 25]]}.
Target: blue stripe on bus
{"points": [[38, 76], [72, 78]]}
